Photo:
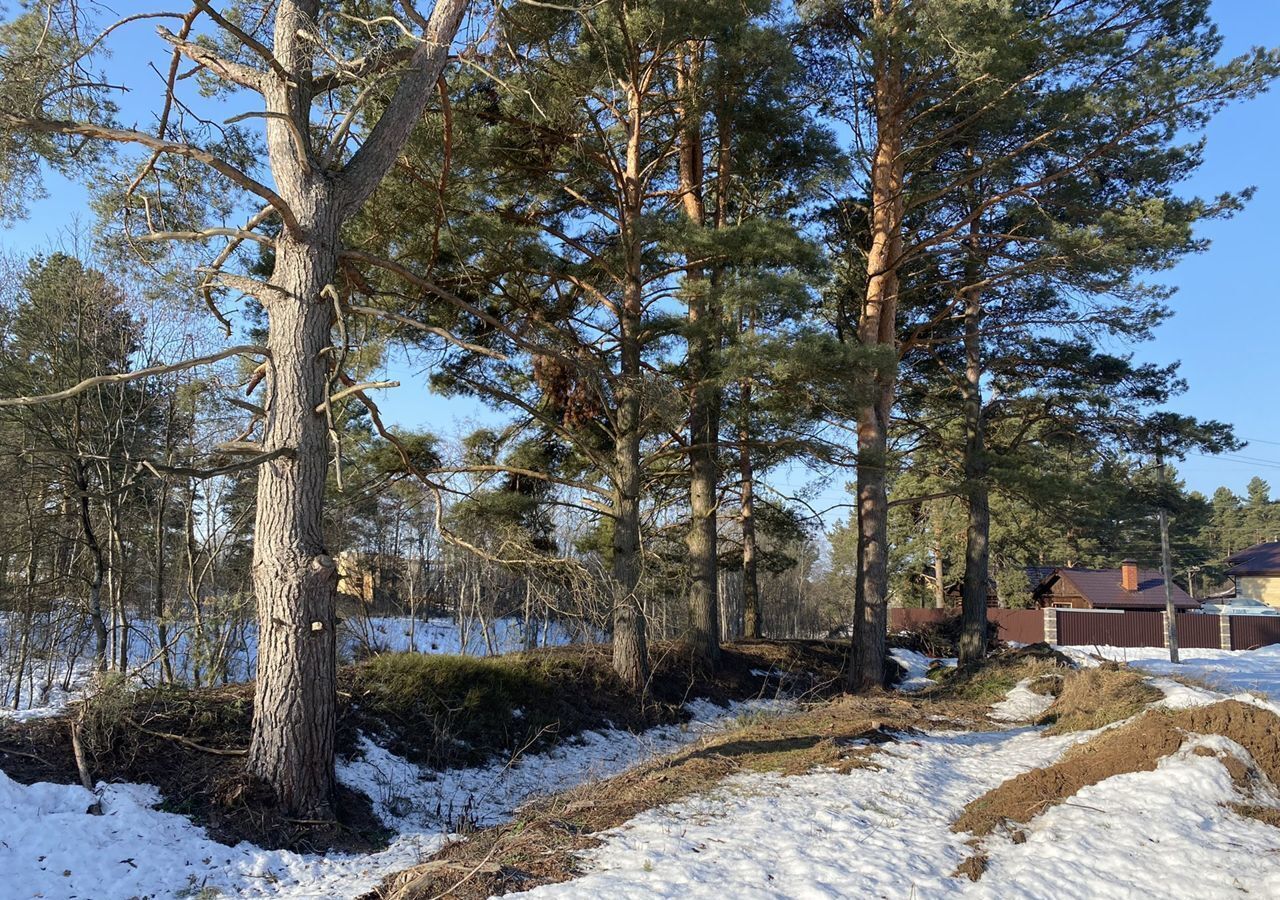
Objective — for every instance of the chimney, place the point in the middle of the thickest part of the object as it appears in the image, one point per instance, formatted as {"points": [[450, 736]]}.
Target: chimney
{"points": [[1129, 575]]}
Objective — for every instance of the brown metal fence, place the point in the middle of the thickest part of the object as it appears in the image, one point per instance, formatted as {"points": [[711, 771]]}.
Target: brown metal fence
{"points": [[1026, 626], [1113, 628], [909, 619], [1196, 630], [1249, 632]]}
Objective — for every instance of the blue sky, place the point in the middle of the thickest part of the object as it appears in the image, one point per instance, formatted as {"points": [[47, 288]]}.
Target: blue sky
{"points": [[1227, 307], [1226, 331]]}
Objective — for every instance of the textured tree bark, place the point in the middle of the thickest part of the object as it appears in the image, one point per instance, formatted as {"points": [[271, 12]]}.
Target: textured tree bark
{"points": [[876, 328], [630, 646], [99, 566], [704, 418], [752, 627], [295, 580], [939, 573], [973, 633]]}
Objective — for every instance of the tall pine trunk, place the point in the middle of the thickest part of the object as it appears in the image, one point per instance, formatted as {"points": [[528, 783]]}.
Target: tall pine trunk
{"points": [[876, 329], [295, 701], [96, 580], [939, 567], [751, 625], [159, 605], [973, 635], [630, 647], [704, 417]]}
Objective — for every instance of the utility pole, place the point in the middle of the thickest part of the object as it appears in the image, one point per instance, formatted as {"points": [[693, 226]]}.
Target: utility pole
{"points": [[1171, 614]]}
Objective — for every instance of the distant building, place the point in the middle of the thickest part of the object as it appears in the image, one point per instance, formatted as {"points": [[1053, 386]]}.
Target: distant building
{"points": [[1256, 572], [1127, 587]]}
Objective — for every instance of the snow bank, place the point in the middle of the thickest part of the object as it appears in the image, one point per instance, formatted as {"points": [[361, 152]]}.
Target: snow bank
{"points": [[1164, 833], [1229, 671], [50, 847], [882, 833]]}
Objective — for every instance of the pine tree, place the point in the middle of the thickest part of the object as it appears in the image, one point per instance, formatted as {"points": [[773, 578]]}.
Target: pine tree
{"points": [[300, 62], [972, 110]]}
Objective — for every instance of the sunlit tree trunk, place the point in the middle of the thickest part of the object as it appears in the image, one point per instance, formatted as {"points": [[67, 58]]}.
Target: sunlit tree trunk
{"points": [[876, 328]]}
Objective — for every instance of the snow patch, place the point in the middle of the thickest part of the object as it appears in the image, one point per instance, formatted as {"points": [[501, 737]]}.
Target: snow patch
{"points": [[917, 666], [1021, 704], [1230, 671]]}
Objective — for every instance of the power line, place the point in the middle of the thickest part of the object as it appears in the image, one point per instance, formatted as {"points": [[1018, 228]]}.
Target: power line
{"points": [[1236, 458]]}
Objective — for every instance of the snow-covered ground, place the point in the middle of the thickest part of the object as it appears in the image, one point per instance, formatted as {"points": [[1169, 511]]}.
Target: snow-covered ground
{"points": [[873, 833], [1229, 671], [887, 833], [917, 667], [50, 847], [411, 799], [47, 689]]}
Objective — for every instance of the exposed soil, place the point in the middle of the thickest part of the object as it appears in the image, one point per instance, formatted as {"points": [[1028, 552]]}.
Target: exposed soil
{"points": [[973, 868], [441, 711], [1134, 747]]}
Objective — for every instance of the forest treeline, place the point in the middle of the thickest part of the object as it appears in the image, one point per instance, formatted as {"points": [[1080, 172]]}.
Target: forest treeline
{"points": [[680, 251]]}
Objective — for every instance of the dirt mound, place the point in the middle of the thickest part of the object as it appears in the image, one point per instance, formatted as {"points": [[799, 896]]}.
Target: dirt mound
{"points": [[995, 676], [1091, 698], [440, 711], [939, 639], [1136, 747], [1042, 652]]}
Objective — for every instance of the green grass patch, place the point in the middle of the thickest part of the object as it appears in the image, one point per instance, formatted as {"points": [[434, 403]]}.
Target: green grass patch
{"points": [[460, 710]]}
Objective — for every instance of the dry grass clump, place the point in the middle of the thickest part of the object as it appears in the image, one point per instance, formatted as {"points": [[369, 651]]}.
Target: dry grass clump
{"points": [[1092, 698], [999, 673], [1134, 747]]}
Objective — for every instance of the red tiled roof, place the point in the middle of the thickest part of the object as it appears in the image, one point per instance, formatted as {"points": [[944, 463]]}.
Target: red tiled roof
{"points": [[1102, 588], [1260, 559]]}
